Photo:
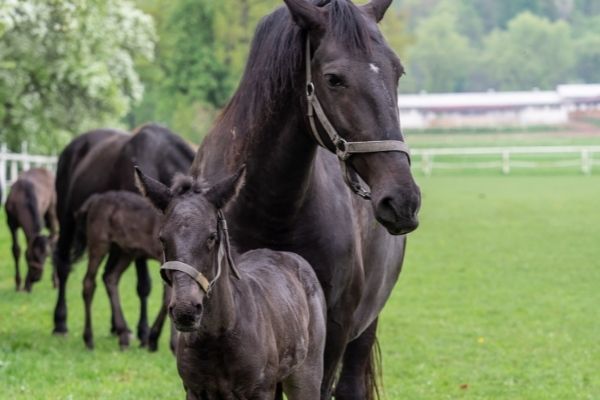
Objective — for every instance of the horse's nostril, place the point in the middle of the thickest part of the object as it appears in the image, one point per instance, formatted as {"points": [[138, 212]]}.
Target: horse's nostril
{"points": [[198, 307]]}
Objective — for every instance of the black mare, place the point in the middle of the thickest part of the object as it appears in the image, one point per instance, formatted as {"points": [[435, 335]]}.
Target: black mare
{"points": [[99, 161], [295, 198]]}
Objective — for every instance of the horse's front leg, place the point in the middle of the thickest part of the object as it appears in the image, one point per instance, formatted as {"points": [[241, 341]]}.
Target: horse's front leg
{"points": [[159, 322], [144, 285], [358, 378], [16, 251], [335, 344]]}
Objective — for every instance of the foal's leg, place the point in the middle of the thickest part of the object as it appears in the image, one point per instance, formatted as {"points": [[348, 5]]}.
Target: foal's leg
{"points": [[357, 380], [111, 281], [16, 251], [157, 326], [113, 256], [144, 284], [97, 251]]}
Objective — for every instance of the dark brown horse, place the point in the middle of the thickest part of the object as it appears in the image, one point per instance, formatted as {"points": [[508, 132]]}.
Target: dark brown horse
{"points": [[100, 161], [296, 198], [124, 220], [247, 322], [30, 203]]}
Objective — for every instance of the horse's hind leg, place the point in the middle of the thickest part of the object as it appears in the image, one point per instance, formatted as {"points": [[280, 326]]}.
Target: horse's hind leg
{"points": [[16, 251], [159, 322], [52, 224], [96, 254], [111, 281], [358, 377], [144, 285]]}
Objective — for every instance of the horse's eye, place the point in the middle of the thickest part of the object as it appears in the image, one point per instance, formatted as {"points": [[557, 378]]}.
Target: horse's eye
{"points": [[334, 81], [212, 238]]}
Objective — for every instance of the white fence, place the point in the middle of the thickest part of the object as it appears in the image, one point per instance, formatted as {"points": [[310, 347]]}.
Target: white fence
{"points": [[506, 159], [12, 164]]}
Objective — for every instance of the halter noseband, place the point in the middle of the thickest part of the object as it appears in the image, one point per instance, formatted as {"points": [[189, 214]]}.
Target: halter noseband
{"points": [[343, 148], [223, 253]]}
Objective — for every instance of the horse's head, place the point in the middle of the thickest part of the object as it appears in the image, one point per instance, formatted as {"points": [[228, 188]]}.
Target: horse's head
{"points": [[37, 251], [355, 76], [191, 238]]}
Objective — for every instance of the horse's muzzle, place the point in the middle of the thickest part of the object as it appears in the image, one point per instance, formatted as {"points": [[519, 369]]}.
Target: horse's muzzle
{"points": [[399, 214], [186, 317]]}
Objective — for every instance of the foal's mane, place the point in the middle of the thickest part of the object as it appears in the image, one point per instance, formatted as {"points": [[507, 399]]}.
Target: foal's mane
{"points": [[184, 184], [274, 72]]}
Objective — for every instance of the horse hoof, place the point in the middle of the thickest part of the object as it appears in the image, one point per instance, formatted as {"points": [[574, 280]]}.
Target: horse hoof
{"points": [[89, 345], [60, 331]]}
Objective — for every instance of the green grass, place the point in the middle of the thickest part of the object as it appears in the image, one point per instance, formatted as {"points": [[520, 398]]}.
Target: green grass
{"points": [[500, 292], [498, 300]]}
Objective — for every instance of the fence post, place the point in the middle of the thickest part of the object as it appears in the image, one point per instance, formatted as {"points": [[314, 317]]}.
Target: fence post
{"points": [[26, 163], [506, 162], [427, 161], [586, 165]]}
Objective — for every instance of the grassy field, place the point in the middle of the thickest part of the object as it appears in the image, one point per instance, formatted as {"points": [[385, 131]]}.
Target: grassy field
{"points": [[498, 300]]}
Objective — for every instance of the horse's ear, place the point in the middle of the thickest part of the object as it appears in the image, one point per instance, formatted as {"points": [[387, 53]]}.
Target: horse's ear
{"points": [[160, 195], [377, 8], [306, 15], [227, 190]]}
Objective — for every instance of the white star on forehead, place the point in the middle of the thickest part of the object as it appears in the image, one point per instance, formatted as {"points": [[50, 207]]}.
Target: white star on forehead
{"points": [[374, 68]]}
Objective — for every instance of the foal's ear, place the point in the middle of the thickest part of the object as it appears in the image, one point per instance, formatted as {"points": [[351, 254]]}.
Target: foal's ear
{"points": [[377, 8], [227, 190], [306, 15], [160, 195]]}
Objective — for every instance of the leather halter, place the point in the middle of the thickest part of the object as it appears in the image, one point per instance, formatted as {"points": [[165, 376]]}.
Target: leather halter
{"points": [[342, 148], [223, 255]]}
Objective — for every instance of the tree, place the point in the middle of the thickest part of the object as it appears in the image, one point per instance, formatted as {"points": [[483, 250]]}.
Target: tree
{"points": [[532, 52], [68, 65], [441, 58]]}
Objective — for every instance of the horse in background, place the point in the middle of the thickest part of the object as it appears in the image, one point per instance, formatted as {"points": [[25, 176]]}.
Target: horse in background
{"points": [[31, 202], [100, 161], [247, 323], [121, 222]]}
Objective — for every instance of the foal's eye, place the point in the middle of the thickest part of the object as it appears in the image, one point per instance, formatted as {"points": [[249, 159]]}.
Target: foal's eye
{"points": [[334, 81], [212, 238]]}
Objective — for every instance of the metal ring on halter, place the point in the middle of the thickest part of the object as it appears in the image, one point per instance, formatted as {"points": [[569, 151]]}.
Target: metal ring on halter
{"points": [[341, 149], [310, 89]]}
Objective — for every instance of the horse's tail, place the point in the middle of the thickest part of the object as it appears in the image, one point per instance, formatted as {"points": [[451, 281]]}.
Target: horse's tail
{"points": [[80, 237], [373, 373]]}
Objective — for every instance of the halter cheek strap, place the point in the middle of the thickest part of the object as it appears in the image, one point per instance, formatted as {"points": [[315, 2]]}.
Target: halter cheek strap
{"points": [[342, 148], [223, 255]]}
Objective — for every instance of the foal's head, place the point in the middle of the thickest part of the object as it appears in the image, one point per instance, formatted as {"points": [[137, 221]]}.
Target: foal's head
{"points": [[37, 251], [190, 234]]}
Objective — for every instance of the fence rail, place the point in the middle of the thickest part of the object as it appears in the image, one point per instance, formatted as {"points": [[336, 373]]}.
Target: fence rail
{"points": [[502, 158], [12, 164]]}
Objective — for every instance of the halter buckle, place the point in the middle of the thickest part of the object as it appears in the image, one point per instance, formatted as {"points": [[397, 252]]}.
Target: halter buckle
{"points": [[310, 89], [341, 149]]}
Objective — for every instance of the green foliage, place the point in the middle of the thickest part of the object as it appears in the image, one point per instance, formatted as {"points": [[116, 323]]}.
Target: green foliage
{"points": [[532, 52], [440, 57], [473, 45], [67, 66]]}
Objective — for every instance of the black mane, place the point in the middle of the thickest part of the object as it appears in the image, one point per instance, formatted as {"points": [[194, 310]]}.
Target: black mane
{"points": [[275, 68]]}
